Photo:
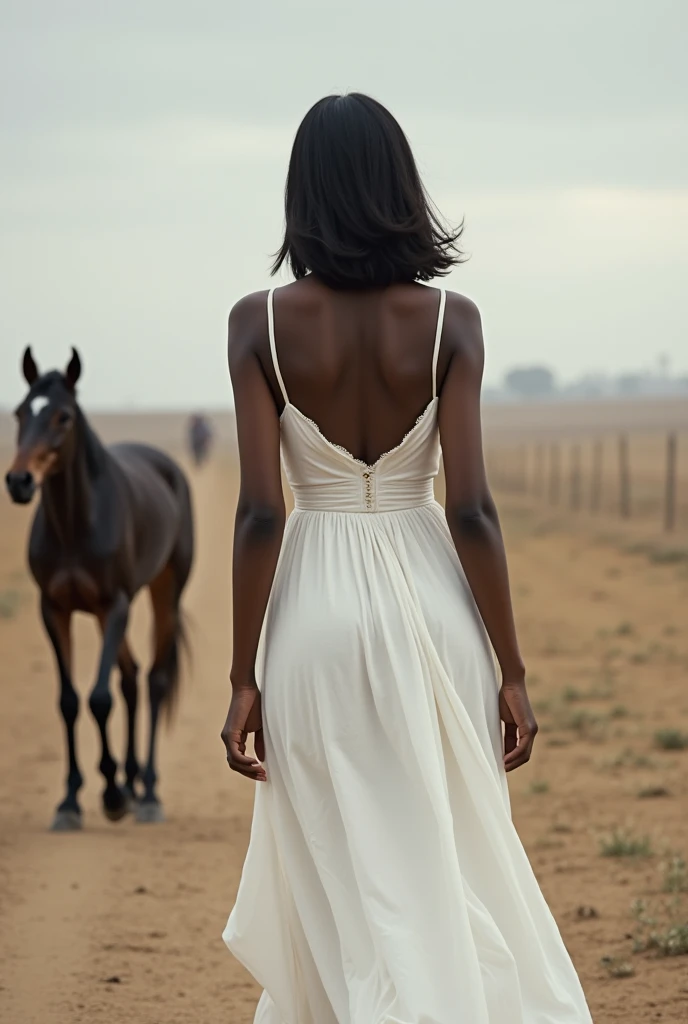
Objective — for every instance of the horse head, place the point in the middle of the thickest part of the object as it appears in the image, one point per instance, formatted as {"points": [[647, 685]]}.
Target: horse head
{"points": [[46, 420]]}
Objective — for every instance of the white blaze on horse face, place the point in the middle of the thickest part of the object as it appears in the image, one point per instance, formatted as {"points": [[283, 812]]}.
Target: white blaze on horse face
{"points": [[38, 403]]}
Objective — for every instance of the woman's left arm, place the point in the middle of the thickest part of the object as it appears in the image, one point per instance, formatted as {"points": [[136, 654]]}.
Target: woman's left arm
{"points": [[258, 526]]}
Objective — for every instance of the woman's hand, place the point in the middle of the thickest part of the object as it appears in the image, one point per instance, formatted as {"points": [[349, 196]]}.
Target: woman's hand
{"points": [[520, 727], [245, 716]]}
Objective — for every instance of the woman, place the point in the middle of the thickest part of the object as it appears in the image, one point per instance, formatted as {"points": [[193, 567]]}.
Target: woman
{"points": [[384, 882]]}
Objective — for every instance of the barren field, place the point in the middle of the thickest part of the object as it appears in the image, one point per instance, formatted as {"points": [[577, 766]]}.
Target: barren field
{"points": [[121, 923]]}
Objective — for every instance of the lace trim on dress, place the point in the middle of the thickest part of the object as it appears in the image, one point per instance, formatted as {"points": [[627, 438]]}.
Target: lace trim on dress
{"points": [[347, 454]]}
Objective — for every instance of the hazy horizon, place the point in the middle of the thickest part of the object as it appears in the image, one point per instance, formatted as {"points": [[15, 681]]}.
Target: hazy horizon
{"points": [[145, 151]]}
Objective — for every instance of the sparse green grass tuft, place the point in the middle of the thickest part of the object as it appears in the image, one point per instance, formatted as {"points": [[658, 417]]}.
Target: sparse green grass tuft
{"points": [[571, 694], [586, 913], [668, 937], [649, 792], [629, 759], [671, 739], [619, 711], [670, 941], [604, 690], [9, 603], [622, 844], [543, 843], [669, 556], [539, 786], [578, 721], [675, 873], [581, 721], [617, 968], [658, 555], [625, 629]]}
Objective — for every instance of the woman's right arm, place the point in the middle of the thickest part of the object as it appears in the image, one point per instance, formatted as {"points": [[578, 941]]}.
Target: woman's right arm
{"points": [[473, 521], [258, 526]]}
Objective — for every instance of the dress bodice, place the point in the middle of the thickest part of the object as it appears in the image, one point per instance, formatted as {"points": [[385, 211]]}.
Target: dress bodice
{"points": [[326, 477]]}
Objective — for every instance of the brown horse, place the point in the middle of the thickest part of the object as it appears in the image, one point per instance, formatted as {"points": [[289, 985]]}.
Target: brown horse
{"points": [[110, 521]]}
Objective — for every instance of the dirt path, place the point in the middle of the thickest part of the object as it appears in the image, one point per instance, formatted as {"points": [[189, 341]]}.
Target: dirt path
{"points": [[122, 923]]}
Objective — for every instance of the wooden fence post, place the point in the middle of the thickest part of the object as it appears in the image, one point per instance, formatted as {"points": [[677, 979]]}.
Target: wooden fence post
{"points": [[539, 470], [523, 482], [670, 491], [596, 478], [575, 487], [624, 479], [554, 473]]}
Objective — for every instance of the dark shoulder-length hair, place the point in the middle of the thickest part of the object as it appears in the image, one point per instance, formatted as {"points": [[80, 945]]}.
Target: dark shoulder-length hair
{"points": [[357, 213]]}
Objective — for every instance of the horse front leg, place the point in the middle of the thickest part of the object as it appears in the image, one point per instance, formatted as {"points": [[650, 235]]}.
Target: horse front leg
{"points": [[113, 624], [129, 685], [57, 624]]}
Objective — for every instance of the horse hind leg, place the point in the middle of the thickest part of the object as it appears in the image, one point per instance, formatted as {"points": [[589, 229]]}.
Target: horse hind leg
{"points": [[162, 680]]}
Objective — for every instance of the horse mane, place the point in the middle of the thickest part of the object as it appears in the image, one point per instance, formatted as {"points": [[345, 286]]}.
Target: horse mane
{"points": [[95, 452]]}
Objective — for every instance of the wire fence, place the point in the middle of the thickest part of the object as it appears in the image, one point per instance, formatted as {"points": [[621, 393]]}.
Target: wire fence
{"points": [[630, 476]]}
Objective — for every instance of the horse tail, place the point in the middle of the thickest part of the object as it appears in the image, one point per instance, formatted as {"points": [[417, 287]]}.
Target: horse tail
{"points": [[179, 654], [181, 561]]}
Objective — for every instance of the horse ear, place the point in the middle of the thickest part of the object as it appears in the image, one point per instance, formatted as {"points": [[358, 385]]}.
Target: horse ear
{"points": [[29, 368], [73, 371]]}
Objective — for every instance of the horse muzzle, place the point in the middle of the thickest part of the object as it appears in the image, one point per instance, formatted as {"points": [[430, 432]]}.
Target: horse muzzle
{"points": [[21, 486]]}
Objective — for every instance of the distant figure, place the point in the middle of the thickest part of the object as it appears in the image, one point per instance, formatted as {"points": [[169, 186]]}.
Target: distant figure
{"points": [[200, 438], [109, 522]]}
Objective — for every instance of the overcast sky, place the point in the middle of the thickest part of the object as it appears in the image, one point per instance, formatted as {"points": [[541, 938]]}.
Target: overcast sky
{"points": [[145, 146]]}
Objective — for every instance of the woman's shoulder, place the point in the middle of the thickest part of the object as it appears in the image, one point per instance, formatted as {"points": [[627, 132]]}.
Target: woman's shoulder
{"points": [[249, 307], [461, 307], [252, 308], [247, 328], [423, 297], [462, 332]]}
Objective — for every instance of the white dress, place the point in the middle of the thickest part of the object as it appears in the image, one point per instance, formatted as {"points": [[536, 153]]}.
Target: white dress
{"points": [[385, 882]]}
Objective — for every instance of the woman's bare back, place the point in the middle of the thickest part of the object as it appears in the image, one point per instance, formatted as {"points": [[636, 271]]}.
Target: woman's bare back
{"points": [[359, 364]]}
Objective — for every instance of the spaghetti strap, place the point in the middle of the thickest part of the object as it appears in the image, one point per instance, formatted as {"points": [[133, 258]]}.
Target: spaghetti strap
{"points": [[273, 346], [438, 337]]}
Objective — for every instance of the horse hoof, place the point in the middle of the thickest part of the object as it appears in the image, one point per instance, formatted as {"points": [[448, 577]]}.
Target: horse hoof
{"points": [[149, 812], [116, 805], [66, 821], [116, 813], [130, 797]]}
